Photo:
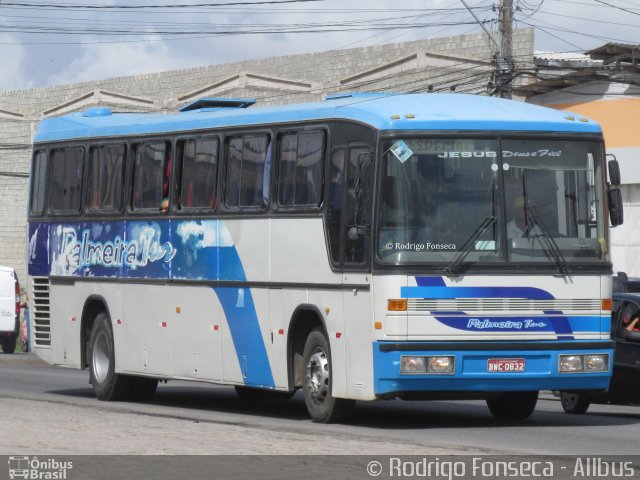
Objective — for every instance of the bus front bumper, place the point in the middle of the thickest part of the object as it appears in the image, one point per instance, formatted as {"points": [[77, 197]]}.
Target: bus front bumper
{"points": [[474, 365]]}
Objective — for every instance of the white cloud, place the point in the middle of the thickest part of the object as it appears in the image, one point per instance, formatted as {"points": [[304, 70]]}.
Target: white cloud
{"points": [[561, 26], [14, 67], [111, 60]]}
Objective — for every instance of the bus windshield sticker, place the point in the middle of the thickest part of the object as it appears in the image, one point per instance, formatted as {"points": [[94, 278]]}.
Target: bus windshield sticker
{"points": [[401, 150], [543, 152], [486, 245]]}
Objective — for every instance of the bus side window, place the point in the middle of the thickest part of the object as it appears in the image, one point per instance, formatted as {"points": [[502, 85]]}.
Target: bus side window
{"points": [[356, 215], [301, 168], [66, 179], [246, 180], [199, 164], [334, 202], [106, 177], [150, 170], [39, 179]]}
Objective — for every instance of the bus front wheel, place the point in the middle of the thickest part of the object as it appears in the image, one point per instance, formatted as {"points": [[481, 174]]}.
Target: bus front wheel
{"points": [[107, 384], [321, 405], [513, 405], [574, 403]]}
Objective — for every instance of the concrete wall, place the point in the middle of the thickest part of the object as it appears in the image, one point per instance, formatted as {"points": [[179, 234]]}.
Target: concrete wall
{"points": [[402, 67]]}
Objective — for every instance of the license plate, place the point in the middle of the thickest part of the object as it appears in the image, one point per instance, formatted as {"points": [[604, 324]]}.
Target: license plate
{"points": [[505, 365]]}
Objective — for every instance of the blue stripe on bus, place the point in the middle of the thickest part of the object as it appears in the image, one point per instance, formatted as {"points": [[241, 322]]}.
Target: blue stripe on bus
{"points": [[561, 325], [435, 288], [244, 326], [445, 292], [242, 318], [430, 282]]}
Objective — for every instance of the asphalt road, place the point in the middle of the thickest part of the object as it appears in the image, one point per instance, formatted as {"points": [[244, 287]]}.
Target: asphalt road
{"points": [[53, 410]]}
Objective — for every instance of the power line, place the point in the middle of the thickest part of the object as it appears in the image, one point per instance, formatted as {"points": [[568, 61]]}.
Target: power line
{"points": [[554, 36], [168, 34], [404, 33], [173, 28], [75, 6], [583, 34], [584, 4], [595, 20], [619, 8]]}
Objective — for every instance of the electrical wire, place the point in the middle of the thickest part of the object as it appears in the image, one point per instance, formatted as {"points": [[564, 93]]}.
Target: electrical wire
{"points": [[75, 6], [628, 10]]}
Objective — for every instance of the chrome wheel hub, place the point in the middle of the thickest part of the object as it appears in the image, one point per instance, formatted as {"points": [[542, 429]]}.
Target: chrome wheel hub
{"points": [[100, 357], [318, 376]]}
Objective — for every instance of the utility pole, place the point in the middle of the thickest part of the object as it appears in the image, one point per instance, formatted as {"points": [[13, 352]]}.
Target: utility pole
{"points": [[504, 58], [503, 74]]}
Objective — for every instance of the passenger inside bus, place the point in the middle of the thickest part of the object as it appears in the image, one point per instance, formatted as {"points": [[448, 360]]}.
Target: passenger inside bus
{"points": [[166, 182], [522, 224]]}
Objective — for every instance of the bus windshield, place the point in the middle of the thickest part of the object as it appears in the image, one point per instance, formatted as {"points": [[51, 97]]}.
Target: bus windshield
{"points": [[478, 201]]}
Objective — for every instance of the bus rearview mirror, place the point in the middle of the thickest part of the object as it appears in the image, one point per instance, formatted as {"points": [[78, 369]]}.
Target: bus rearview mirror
{"points": [[616, 214], [614, 172]]}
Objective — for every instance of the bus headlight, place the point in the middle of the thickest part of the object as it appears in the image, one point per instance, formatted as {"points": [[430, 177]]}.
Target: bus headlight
{"points": [[593, 362], [570, 363], [596, 363], [410, 365], [441, 365]]}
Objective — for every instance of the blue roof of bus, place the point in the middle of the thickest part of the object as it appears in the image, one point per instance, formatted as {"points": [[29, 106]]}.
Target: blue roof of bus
{"points": [[380, 111]]}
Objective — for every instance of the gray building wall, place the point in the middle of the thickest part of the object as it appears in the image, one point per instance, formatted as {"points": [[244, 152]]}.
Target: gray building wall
{"points": [[462, 61]]}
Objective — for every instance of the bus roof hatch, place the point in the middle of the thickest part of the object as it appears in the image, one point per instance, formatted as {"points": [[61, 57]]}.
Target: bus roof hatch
{"points": [[210, 102]]}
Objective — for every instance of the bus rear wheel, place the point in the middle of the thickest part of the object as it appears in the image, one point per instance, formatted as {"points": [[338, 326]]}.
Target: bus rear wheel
{"points": [[107, 384], [513, 405], [321, 405]]}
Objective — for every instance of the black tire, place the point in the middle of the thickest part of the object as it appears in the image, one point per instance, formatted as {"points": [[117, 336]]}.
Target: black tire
{"points": [[321, 405], [253, 394], [9, 344], [142, 389], [513, 405], [107, 384], [575, 403]]}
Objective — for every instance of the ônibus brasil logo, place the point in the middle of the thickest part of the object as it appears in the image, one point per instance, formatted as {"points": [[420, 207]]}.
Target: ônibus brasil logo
{"points": [[34, 469]]}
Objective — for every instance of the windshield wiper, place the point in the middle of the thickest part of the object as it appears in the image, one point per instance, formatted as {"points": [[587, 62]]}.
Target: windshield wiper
{"points": [[549, 247], [452, 268]]}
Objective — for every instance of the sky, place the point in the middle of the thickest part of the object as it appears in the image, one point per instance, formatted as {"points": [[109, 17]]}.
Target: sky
{"points": [[51, 42]]}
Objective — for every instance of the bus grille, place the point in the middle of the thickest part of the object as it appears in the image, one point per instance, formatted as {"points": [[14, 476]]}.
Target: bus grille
{"points": [[501, 304], [41, 313]]}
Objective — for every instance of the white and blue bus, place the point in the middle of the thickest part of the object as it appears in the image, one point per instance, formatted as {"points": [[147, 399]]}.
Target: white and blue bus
{"points": [[365, 247]]}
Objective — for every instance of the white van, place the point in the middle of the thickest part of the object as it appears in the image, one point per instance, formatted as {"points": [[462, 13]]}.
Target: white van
{"points": [[9, 309]]}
